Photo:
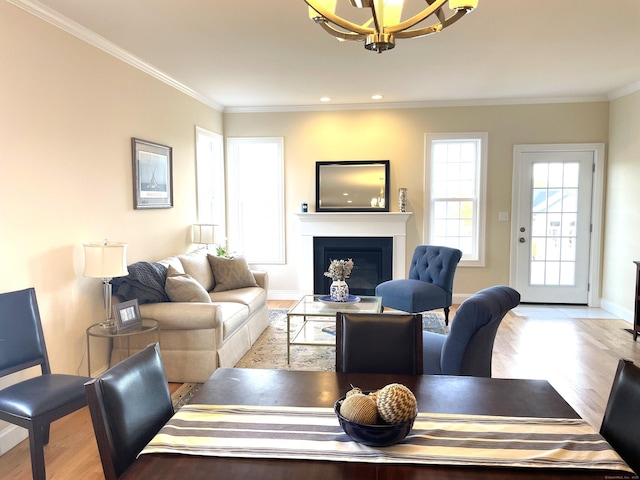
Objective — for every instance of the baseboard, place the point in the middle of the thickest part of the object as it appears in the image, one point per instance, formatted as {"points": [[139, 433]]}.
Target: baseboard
{"points": [[11, 436], [617, 310]]}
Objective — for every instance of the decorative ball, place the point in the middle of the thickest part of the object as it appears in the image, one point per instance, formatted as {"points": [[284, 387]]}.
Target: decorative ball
{"points": [[360, 408], [353, 391], [396, 403]]}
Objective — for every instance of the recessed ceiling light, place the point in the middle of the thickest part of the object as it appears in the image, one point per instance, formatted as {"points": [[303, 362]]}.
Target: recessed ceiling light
{"points": [[325, 99], [376, 97]]}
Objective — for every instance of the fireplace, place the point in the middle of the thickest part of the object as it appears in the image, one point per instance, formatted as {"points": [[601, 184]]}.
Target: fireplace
{"points": [[372, 259], [349, 225]]}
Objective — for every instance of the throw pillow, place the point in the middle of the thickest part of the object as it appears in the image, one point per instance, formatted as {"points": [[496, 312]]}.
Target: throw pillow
{"points": [[181, 287], [231, 273]]}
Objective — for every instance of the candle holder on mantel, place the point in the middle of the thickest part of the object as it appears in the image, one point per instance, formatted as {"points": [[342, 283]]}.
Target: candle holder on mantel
{"points": [[402, 199]]}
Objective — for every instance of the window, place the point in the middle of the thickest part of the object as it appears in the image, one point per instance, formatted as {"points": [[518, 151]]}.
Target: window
{"points": [[455, 178], [210, 181], [255, 186]]}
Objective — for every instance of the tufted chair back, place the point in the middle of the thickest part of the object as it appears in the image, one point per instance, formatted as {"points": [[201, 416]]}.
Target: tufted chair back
{"points": [[468, 348], [435, 264]]}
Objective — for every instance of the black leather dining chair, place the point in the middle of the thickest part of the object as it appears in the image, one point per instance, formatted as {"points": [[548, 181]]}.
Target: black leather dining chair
{"points": [[379, 343], [129, 403], [37, 402], [621, 421]]}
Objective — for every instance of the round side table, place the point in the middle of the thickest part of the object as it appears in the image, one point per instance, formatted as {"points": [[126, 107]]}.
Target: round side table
{"points": [[96, 330]]}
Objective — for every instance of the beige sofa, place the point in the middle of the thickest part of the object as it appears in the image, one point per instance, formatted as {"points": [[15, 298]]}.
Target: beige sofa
{"points": [[217, 310]]}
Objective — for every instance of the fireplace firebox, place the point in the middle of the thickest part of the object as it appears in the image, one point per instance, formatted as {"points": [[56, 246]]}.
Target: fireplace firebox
{"points": [[372, 258]]}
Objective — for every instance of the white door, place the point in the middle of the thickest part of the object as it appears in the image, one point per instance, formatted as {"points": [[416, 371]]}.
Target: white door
{"points": [[552, 223]]}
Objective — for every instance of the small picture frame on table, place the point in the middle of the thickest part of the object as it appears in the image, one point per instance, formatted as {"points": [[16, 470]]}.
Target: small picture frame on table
{"points": [[127, 316]]}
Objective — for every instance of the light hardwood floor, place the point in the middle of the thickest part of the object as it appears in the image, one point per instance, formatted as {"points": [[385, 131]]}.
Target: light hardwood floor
{"points": [[575, 349]]}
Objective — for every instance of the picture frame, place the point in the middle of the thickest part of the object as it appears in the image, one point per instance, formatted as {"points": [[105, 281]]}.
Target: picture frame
{"points": [[127, 316], [152, 175]]}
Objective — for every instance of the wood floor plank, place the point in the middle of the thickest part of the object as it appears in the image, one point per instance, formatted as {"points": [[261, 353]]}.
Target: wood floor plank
{"points": [[578, 356]]}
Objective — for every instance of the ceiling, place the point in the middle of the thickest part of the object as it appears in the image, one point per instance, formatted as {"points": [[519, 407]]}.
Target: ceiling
{"points": [[254, 55]]}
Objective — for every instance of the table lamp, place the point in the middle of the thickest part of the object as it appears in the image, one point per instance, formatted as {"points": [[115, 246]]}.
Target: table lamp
{"points": [[105, 260], [203, 233]]}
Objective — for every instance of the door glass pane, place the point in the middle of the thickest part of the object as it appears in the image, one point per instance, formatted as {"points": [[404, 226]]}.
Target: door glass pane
{"points": [[553, 223]]}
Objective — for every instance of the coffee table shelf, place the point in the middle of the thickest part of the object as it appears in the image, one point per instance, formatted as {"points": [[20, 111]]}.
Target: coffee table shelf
{"points": [[316, 315]]}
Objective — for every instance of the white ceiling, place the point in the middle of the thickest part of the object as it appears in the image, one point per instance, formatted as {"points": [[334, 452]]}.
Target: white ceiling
{"points": [[255, 54]]}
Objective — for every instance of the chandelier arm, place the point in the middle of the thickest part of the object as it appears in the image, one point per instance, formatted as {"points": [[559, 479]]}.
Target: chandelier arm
{"points": [[421, 32], [440, 14], [341, 22], [419, 17], [340, 34]]}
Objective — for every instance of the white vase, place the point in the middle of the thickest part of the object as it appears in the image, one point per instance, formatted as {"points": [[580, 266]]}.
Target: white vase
{"points": [[339, 291]]}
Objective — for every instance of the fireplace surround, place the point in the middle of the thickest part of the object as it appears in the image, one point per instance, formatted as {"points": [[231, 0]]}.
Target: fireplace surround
{"points": [[350, 224]]}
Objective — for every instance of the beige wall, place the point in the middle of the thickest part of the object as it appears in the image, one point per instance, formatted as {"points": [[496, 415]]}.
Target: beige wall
{"points": [[67, 115], [622, 217], [398, 135]]}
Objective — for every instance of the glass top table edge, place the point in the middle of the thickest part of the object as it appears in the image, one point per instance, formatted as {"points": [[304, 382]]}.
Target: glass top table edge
{"points": [[367, 304]]}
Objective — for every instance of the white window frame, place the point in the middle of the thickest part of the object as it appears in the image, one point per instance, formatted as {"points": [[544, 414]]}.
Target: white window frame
{"points": [[242, 231], [476, 258], [210, 183]]}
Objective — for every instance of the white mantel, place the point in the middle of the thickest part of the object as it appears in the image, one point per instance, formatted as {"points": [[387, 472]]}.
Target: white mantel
{"points": [[351, 224]]}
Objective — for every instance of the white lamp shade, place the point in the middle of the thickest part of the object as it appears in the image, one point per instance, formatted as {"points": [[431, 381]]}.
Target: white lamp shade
{"points": [[105, 260], [203, 233]]}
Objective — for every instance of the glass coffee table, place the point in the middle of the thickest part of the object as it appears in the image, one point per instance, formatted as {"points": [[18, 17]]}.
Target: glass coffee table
{"points": [[312, 322]]}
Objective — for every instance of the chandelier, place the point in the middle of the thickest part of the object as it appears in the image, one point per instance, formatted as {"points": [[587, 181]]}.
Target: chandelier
{"points": [[385, 25]]}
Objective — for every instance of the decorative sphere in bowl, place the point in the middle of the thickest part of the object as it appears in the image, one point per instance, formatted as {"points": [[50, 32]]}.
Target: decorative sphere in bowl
{"points": [[378, 435]]}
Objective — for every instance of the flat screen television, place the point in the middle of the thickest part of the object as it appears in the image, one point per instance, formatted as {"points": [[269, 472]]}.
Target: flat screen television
{"points": [[352, 186]]}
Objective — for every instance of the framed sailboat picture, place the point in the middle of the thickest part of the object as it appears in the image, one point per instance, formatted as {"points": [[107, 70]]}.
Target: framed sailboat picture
{"points": [[152, 175]]}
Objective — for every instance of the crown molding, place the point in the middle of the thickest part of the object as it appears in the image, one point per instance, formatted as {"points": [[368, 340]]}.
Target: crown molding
{"points": [[427, 104], [624, 91], [66, 24]]}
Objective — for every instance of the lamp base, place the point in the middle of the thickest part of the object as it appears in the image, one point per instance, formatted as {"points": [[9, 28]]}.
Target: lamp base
{"points": [[108, 324]]}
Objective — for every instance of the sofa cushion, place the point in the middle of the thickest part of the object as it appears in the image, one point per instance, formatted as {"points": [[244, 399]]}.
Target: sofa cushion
{"points": [[231, 273], [182, 287], [195, 264], [253, 297]]}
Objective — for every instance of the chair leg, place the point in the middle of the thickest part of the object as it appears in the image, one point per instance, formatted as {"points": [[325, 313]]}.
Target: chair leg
{"points": [[446, 316], [44, 431], [36, 446]]}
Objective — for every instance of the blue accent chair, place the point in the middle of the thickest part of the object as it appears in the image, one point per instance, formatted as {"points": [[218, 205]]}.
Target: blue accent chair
{"points": [[430, 282], [468, 348]]}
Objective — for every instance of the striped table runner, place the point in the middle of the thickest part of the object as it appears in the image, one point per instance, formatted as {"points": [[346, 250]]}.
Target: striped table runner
{"points": [[438, 439]]}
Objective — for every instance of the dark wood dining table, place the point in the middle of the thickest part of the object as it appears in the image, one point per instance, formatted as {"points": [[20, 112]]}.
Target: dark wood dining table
{"points": [[436, 394]]}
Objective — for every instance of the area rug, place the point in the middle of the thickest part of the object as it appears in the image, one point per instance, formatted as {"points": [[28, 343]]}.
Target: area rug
{"points": [[183, 394], [270, 351]]}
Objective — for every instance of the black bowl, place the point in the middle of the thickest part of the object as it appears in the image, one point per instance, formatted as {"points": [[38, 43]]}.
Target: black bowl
{"points": [[380, 435]]}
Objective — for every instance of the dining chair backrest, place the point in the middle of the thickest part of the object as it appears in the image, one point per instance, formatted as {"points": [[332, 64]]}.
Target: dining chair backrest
{"points": [[621, 421], [129, 403], [39, 400], [21, 333], [379, 343]]}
